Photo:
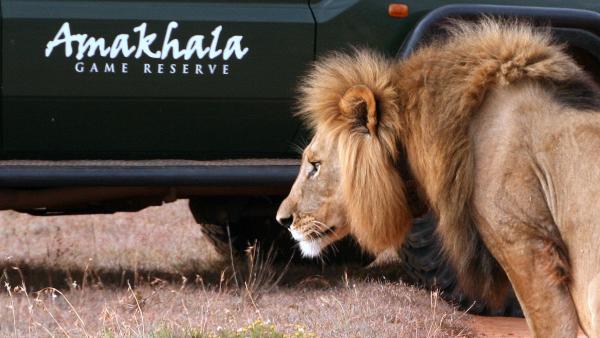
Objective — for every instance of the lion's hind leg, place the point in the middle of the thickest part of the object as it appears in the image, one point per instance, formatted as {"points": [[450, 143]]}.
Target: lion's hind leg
{"points": [[546, 301]]}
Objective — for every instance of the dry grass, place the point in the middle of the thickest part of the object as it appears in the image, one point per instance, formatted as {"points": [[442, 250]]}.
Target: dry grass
{"points": [[323, 300], [362, 309]]}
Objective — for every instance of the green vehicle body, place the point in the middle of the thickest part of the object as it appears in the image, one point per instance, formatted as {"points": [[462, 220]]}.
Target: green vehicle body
{"points": [[52, 111]]}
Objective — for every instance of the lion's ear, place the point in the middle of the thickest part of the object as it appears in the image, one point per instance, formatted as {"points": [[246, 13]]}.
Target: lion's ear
{"points": [[358, 104]]}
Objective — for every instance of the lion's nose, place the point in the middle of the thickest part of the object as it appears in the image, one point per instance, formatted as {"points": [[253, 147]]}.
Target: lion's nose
{"points": [[285, 221]]}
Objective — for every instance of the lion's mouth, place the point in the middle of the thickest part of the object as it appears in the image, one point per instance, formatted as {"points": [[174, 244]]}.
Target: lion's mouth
{"points": [[299, 236]]}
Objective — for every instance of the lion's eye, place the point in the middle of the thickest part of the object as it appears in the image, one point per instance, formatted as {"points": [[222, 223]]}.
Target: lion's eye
{"points": [[315, 168]]}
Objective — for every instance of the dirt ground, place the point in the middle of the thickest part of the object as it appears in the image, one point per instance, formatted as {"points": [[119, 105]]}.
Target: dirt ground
{"points": [[153, 273]]}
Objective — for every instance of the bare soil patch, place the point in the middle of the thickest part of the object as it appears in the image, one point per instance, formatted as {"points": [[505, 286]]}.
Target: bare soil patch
{"points": [[165, 239]]}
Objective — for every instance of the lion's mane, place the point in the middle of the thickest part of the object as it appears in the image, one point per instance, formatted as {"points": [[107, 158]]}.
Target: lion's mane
{"points": [[373, 191]]}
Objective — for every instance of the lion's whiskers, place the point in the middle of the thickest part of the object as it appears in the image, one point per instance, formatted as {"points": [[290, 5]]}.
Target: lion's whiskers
{"points": [[322, 226]]}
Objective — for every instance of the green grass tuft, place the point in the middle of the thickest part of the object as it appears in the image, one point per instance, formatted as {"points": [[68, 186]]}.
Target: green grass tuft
{"points": [[256, 329]]}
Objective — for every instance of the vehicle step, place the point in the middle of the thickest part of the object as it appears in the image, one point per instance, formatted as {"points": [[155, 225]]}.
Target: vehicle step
{"points": [[238, 172], [150, 163]]}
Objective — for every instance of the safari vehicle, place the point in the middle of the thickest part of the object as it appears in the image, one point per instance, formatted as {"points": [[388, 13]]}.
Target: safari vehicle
{"points": [[115, 106]]}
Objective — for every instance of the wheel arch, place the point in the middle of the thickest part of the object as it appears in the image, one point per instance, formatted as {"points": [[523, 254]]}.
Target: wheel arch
{"points": [[579, 28]]}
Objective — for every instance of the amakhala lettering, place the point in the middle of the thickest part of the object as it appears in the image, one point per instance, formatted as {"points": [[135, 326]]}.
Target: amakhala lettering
{"points": [[144, 44]]}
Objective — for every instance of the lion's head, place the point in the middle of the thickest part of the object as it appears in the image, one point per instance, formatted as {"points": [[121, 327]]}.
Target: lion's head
{"points": [[349, 181]]}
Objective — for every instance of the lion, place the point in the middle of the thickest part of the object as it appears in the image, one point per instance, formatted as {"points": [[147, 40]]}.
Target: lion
{"points": [[498, 128]]}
